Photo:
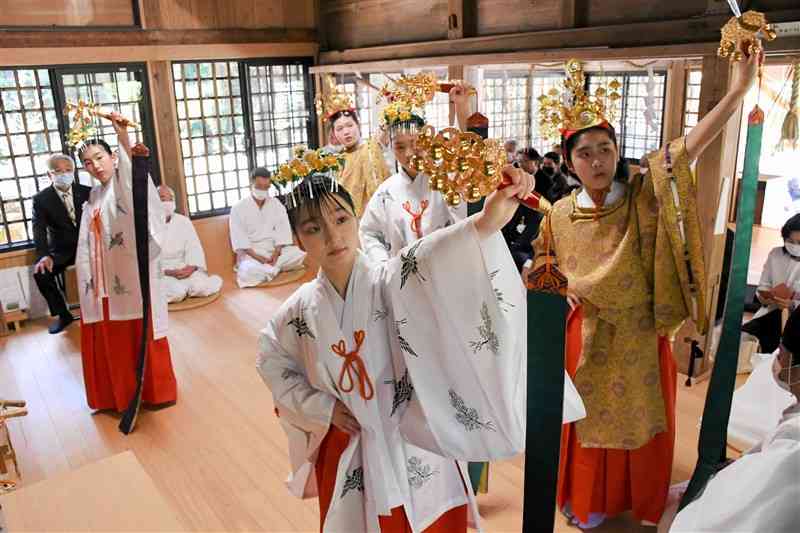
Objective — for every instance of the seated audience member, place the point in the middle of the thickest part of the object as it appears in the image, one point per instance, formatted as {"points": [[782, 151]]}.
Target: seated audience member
{"points": [[551, 167], [520, 233], [57, 214], [182, 259], [510, 147], [779, 287], [760, 491], [261, 235]]}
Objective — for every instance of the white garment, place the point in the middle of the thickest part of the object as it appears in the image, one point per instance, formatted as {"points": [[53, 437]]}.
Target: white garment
{"points": [[386, 225], [182, 248], [120, 283], [616, 193], [446, 360], [262, 229], [757, 405], [758, 493], [250, 272], [779, 268]]}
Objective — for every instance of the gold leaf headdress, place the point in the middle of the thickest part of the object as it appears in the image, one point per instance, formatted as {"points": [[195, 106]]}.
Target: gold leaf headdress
{"points": [[575, 109], [406, 101], [83, 127], [334, 101], [306, 163]]}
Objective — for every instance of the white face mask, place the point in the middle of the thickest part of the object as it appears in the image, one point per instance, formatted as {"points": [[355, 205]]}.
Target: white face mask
{"points": [[63, 181], [258, 194], [792, 248], [169, 207]]}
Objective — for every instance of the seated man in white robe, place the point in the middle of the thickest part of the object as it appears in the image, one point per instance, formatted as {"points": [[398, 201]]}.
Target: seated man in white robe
{"points": [[759, 492], [261, 235], [183, 262]]}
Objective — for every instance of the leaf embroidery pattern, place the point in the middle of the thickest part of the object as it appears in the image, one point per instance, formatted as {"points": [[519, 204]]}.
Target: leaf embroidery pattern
{"points": [[301, 326], [118, 288], [468, 416], [379, 315], [418, 472], [384, 196], [381, 238], [404, 344], [354, 481], [488, 338], [403, 390], [409, 265], [288, 373], [117, 240], [501, 301]]}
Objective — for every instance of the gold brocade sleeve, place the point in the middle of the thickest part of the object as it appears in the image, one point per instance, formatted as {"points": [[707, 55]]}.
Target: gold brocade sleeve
{"points": [[679, 226]]}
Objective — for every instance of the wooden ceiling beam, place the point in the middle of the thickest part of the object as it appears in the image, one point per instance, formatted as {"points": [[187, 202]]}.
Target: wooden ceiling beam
{"points": [[642, 34], [135, 37]]}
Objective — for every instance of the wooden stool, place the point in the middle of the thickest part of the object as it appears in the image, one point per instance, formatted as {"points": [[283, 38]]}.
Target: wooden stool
{"points": [[9, 409], [15, 318]]}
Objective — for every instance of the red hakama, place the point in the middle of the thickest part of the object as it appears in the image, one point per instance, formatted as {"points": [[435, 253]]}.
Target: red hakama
{"points": [[612, 481], [109, 351], [330, 451]]}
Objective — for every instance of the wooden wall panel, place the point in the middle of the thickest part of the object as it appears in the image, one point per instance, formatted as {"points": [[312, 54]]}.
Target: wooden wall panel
{"points": [[66, 13], [601, 13], [359, 23], [213, 14], [512, 16]]}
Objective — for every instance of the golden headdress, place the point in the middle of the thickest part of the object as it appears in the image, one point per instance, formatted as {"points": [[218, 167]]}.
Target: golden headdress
{"points": [[334, 101], [305, 165], [406, 101], [575, 109]]}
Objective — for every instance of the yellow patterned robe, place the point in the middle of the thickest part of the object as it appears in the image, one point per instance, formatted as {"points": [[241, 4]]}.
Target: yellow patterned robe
{"points": [[639, 272], [364, 169]]}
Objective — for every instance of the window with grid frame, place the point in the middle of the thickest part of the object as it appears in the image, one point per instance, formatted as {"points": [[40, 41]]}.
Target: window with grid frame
{"points": [[505, 100], [635, 136], [29, 133], [541, 84], [234, 116], [691, 111]]}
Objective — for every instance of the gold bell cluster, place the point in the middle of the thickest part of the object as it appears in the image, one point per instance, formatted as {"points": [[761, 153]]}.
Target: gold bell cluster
{"points": [[332, 101], [741, 35], [407, 97], [574, 108], [461, 165]]}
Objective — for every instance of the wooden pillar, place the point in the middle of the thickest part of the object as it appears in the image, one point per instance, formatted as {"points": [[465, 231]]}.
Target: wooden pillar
{"points": [[167, 132], [569, 14], [675, 101]]}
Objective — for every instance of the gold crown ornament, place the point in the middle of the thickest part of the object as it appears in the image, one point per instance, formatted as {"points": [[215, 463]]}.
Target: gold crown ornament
{"points": [[742, 35], [575, 109], [322, 162], [334, 101], [406, 99]]}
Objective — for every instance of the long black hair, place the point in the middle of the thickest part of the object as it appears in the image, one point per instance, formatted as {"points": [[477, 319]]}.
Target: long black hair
{"points": [[623, 170], [311, 194], [793, 224], [344, 113]]}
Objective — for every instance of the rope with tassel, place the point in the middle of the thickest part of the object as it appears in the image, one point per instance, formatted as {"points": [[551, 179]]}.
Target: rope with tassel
{"points": [[790, 133]]}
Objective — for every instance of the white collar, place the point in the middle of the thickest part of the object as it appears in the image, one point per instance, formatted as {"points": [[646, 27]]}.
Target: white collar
{"points": [[617, 191]]}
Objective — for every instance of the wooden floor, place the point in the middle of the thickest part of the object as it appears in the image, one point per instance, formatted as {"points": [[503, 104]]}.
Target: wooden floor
{"points": [[218, 455]]}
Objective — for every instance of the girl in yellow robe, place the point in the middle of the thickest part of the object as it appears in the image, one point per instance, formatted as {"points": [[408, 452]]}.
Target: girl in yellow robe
{"points": [[631, 251]]}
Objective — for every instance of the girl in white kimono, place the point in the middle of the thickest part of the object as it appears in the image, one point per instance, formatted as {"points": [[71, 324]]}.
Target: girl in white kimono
{"points": [[404, 208], [384, 374]]}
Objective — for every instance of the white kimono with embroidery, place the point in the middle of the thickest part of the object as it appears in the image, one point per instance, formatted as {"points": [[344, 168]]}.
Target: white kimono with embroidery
{"points": [[441, 334], [401, 211], [114, 258]]}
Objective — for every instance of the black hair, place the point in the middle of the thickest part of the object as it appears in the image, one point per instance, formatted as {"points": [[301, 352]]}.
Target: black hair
{"points": [[94, 142], [344, 113], [411, 125], [793, 224], [260, 172], [311, 194], [531, 154], [791, 336], [554, 157], [567, 145]]}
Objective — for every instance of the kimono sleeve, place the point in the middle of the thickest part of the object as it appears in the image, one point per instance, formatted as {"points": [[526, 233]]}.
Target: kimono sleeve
{"points": [[767, 282], [460, 311], [239, 238], [194, 249], [281, 369], [374, 240]]}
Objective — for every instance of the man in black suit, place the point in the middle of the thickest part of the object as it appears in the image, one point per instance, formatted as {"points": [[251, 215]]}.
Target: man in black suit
{"points": [[56, 215]]}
